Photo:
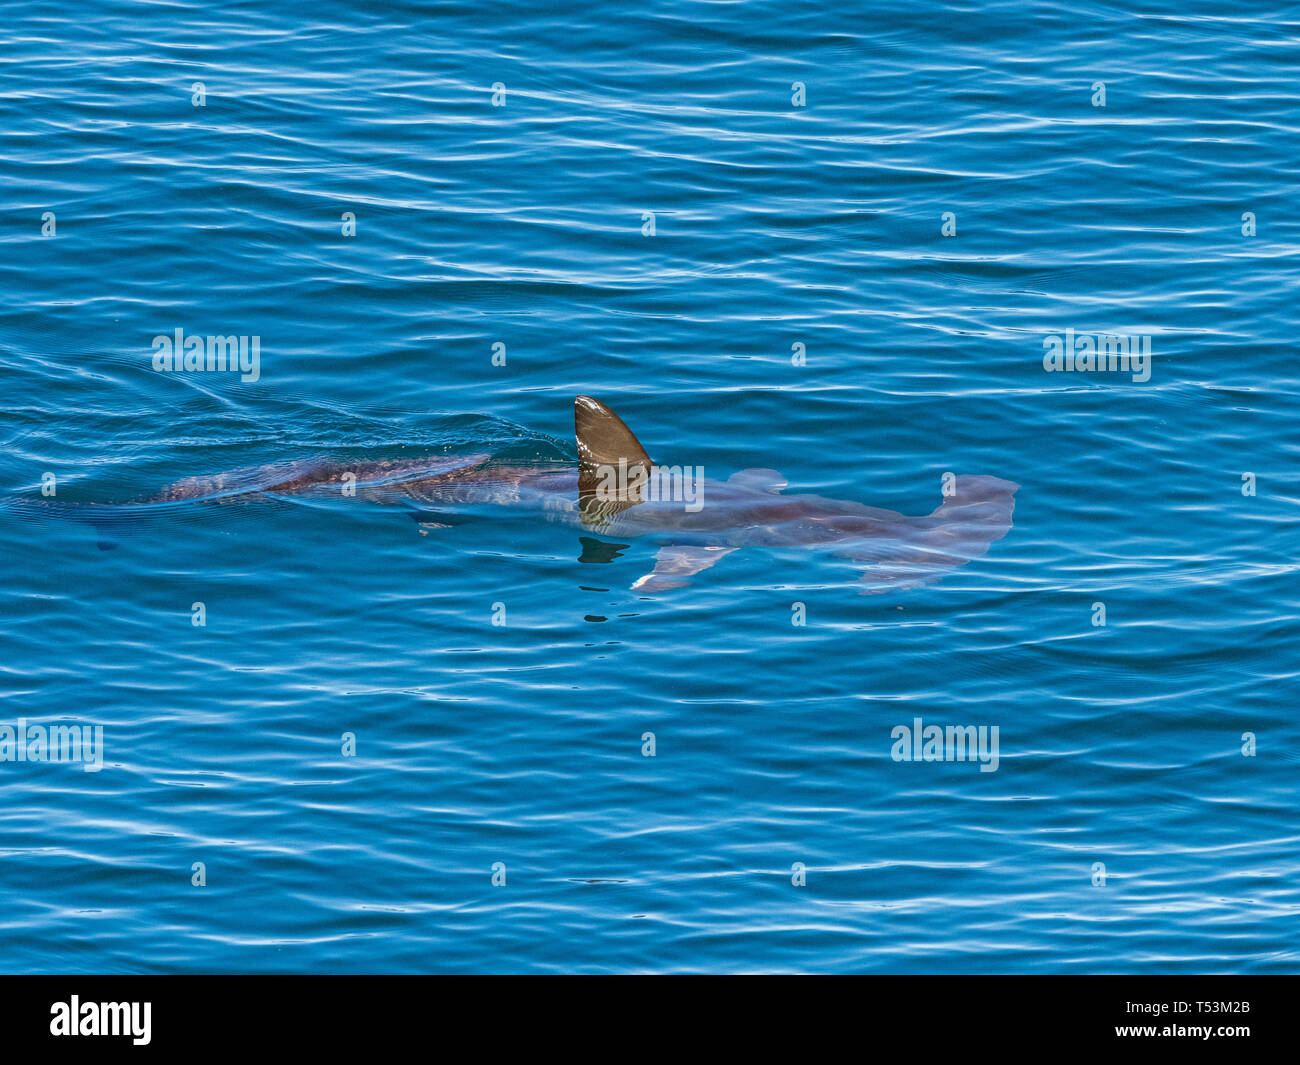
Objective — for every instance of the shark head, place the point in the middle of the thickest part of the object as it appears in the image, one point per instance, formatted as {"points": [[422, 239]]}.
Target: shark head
{"points": [[613, 467]]}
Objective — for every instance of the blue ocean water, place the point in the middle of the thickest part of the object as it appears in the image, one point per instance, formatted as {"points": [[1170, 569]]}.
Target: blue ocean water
{"points": [[826, 239]]}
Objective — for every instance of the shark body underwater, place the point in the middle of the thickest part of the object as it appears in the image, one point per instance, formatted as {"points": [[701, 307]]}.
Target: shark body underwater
{"points": [[749, 509]]}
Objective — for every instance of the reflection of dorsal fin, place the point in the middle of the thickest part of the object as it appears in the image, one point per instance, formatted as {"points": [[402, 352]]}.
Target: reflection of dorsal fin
{"points": [[599, 551], [612, 465], [759, 480]]}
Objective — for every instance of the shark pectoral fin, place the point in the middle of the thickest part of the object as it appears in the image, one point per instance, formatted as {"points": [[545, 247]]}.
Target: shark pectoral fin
{"points": [[599, 551], [908, 566], [759, 480], [675, 563]]}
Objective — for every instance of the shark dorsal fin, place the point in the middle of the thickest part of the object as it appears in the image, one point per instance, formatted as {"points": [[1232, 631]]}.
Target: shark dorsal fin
{"points": [[612, 464], [759, 480], [602, 437]]}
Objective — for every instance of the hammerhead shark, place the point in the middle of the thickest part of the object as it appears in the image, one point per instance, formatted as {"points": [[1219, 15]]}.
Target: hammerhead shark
{"points": [[617, 493]]}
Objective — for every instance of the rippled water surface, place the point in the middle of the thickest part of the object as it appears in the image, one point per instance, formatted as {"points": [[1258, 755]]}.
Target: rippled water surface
{"points": [[797, 307]]}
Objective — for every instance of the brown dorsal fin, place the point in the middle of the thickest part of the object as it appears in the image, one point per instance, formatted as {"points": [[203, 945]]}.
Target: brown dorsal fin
{"points": [[609, 457], [602, 437]]}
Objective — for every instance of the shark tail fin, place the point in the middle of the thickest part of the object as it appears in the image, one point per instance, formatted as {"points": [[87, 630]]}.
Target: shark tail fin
{"points": [[112, 522]]}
